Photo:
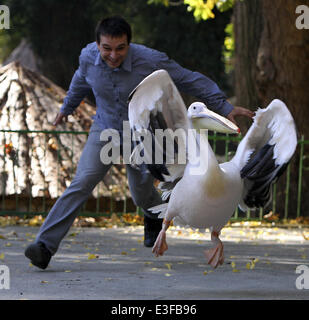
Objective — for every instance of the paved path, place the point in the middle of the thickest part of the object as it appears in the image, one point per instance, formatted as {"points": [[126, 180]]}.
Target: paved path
{"points": [[113, 264]]}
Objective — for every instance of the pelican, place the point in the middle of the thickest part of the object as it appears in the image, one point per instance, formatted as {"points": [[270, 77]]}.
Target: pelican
{"points": [[209, 199]]}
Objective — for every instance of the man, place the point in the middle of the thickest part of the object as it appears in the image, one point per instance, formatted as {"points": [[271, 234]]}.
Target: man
{"points": [[112, 67]]}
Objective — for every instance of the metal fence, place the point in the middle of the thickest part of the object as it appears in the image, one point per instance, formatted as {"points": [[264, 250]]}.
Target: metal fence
{"points": [[24, 191]]}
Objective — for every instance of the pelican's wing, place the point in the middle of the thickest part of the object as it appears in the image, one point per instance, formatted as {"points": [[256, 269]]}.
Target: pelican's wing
{"points": [[156, 104], [264, 152]]}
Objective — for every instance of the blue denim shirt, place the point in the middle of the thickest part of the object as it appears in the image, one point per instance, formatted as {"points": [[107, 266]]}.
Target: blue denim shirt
{"points": [[111, 87]]}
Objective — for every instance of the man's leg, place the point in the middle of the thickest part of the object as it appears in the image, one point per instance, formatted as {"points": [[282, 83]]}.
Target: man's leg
{"points": [[90, 172], [145, 195]]}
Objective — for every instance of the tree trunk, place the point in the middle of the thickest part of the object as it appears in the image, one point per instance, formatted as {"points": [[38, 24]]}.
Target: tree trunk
{"points": [[272, 61]]}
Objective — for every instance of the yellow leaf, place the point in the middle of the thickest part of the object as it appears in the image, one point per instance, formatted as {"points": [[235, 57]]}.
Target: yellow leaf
{"points": [[169, 266], [233, 264], [204, 273], [148, 262], [235, 270], [8, 244], [304, 256], [73, 234], [167, 274], [92, 256], [2, 256], [248, 265], [133, 249], [67, 271], [124, 253], [2, 237]]}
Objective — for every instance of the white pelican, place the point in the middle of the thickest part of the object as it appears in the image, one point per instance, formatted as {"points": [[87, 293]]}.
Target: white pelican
{"points": [[208, 200]]}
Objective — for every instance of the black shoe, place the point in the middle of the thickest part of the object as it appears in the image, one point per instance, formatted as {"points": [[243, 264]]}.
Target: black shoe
{"points": [[38, 254], [152, 228]]}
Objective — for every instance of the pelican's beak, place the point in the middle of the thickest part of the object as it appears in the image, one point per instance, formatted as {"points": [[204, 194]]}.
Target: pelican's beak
{"points": [[210, 120]]}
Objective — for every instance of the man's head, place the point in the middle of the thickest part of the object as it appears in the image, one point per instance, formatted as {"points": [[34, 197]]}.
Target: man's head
{"points": [[113, 36]]}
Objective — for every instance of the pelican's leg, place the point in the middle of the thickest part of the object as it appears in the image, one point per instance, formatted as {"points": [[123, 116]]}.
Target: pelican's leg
{"points": [[160, 245], [215, 256]]}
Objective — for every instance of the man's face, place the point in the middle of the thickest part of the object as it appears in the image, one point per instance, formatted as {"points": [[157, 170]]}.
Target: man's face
{"points": [[113, 50]]}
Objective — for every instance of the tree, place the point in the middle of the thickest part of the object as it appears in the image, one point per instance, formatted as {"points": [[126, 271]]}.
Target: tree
{"points": [[272, 62]]}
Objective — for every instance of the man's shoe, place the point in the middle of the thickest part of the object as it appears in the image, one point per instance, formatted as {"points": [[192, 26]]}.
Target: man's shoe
{"points": [[152, 228], [38, 254]]}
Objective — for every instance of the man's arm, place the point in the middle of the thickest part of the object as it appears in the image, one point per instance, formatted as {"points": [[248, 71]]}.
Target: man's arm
{"points": [[200, 86], [78, 89]]}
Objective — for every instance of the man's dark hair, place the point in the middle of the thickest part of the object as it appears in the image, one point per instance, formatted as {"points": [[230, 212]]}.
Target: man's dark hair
{"points": [[115, 27]]}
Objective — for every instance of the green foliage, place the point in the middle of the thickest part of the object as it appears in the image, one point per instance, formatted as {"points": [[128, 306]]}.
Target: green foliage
{"points": [[229, 47]]}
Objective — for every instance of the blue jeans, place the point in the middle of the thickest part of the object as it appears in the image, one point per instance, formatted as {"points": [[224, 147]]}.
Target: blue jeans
{"points": [[90, 172]]}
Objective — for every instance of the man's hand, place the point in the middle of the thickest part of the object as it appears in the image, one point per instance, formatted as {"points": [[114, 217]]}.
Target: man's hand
{"points": [[59, 118], [239, 111]]}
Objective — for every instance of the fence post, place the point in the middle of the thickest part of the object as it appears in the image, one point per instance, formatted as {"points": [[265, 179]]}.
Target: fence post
{"points": [[287, 189], [300, 172]]}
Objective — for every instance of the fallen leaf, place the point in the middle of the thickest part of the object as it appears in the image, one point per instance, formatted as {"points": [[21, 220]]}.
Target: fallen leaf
{"points": [[73, 234], [235, 270], [167, 274], [169, 266], [43, 281], [8, 244], [2, 256], [233, 264], [67, 271], [92, 256], [124, 253]]}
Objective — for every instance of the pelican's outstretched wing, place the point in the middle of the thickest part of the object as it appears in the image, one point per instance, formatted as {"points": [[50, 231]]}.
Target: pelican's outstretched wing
{"points": [[154, 106], [264, 152]]}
